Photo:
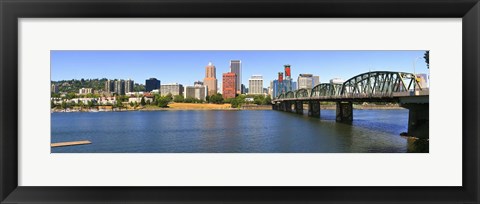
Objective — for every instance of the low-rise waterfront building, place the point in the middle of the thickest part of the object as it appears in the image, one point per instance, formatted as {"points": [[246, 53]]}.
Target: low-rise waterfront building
{"points": [[83, 91], [173, 89], [198, 91], [139, 100]]}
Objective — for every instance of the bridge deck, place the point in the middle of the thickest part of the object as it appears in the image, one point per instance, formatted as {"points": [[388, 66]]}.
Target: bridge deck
{"points": [[381, 97]]}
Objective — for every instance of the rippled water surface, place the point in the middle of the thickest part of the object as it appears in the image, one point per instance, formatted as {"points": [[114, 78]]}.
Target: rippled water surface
{"points": [[230, 131]]}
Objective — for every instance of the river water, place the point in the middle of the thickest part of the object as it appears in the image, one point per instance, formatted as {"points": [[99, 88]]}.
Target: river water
{"points": [[229, 132]]}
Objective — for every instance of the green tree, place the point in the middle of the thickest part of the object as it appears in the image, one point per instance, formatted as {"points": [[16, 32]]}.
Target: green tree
{"points": [[52, 104], [90, 104], [207, 98], [258, 99], [216, 98], [119, 104], [55, 95], [268, 100], [71, 95], [80, 103], [138, 87], [426, 56], [142, 102], [189, 100], [178, 98], [169, 96], [131, 104], [64, 105], [235, 103], [163, 101]]}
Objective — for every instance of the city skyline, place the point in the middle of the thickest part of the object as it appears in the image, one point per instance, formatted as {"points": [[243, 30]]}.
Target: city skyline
{"points": [[186, 67]]}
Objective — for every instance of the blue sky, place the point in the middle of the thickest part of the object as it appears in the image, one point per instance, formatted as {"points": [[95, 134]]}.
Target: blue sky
{"points": [[185, 67]]}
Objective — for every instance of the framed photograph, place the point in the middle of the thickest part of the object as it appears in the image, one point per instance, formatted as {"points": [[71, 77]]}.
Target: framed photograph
{"points": [[251, 102]]}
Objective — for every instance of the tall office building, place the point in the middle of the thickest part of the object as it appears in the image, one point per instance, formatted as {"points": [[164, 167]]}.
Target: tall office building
{"points": [[236, 67], [294, 86], [229, 85], [174, 89], [152, 84], [316, 80], [255, 84], [109, 86], [54, 88], [307, 81], [210, 80], [129, 86], [119, 87]]}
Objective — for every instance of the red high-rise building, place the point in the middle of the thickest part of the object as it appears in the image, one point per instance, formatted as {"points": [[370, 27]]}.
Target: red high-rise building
{"points": [[288, 74], [229, 85], [280, 77]]}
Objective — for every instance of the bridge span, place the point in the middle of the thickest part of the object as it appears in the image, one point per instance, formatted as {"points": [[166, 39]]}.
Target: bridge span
{"points": [[379, 86]]}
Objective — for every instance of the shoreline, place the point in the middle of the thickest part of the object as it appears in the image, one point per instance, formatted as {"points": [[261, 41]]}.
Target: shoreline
{"points": [[221, 107]]}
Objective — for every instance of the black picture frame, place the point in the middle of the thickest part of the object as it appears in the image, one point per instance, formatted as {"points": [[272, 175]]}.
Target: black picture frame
{"points": [[11, 10]]}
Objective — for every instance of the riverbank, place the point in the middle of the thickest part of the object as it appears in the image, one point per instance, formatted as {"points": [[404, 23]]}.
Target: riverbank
{"points": [[202, 106]]}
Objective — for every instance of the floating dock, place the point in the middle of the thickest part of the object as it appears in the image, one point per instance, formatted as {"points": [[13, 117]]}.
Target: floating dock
{"points": [[63, 144]]}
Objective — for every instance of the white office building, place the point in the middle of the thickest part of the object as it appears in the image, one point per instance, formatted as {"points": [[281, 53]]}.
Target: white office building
{"points": [[255, 84]]}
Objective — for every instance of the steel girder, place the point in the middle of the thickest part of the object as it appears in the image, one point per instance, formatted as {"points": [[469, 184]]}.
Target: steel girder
{"points": [[380, 83], [377, 83], [326, 89], [302, 93], [290, 94]]}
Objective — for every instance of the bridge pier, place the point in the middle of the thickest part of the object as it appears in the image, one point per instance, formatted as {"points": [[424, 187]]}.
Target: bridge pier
{"points": [[288, 106], [314, 109], [282, 106], [344, 111], [299, 107], [274, 106], [418, 119]]}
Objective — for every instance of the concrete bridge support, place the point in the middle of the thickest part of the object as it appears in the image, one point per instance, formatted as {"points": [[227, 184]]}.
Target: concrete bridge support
{"points": [[288, 106], [281, 106], [344, 111], [314, 109], [299, 107], [275, 106], [418, 119]]}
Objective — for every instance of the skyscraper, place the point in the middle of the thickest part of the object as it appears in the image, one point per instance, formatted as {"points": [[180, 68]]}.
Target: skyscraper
{"points": [[210, 79], [151, 84], [109, 86], [54, 88], [255, 84], [119, 87], [229, 85], [236, 67], [128, 86]]}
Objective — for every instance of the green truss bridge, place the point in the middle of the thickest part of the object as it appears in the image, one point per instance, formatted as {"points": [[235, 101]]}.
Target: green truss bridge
{"points": [[377, 86]]}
